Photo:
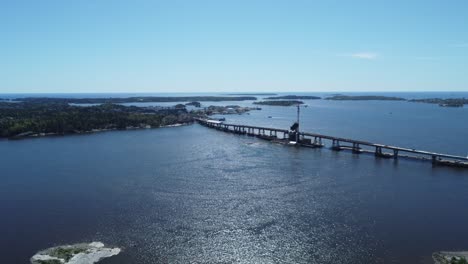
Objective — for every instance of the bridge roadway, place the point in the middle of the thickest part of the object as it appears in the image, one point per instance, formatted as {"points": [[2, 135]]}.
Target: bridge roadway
{"points": [[305, 139]]}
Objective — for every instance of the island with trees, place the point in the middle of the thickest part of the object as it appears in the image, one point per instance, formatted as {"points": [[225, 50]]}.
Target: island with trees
{"points": [[294, 97], [450, 102], [279, 103], [341, 97], [196, 104]]}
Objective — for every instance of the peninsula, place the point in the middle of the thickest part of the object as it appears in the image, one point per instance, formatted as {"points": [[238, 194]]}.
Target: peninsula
{"points": [[24, 119], [32, 118]]}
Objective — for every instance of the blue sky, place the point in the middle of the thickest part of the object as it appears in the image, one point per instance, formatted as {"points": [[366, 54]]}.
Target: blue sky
{"points": [[233, 46]]}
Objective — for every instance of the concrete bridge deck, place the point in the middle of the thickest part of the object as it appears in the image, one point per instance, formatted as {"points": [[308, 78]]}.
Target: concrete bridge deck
{"points": [[307, 139]]}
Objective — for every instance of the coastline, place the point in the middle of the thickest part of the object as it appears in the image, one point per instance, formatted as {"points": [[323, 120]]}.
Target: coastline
{"points": [[40, 135]]}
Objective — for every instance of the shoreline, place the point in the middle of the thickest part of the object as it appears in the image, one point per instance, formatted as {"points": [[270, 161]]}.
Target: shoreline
{"points": [[93, 131]]}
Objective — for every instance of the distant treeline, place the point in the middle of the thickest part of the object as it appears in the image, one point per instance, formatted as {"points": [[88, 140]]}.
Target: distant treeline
{"points": [[280, 103], [252, 94], [27, 118], [364, 98], [142, 99], [294, 97], [451, 102]]}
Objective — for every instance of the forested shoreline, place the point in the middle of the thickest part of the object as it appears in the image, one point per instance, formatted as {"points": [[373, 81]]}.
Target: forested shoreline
{"points": [[35, 119]]}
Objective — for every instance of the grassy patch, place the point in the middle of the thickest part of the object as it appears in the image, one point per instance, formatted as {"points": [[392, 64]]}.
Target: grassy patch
{"points": [[66, 253], [461, 260]]}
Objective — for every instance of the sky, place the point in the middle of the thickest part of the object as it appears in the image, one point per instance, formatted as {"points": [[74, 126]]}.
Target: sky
{"points": [[232, 46]]}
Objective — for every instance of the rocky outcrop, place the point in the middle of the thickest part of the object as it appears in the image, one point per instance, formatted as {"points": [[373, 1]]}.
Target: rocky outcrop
{"points": [[446, 257]]}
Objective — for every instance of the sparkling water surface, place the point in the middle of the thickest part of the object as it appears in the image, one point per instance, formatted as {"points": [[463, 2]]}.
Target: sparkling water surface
{"points": [[195, 195]]}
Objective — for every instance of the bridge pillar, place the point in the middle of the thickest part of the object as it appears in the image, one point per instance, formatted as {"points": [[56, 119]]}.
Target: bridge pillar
{"points": [[336, 144], [395, 153], [317, 141], [356, 148], [378, 151]]}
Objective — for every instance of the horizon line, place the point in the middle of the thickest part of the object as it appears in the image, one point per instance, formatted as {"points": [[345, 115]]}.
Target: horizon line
{"points": [[140, 92]]}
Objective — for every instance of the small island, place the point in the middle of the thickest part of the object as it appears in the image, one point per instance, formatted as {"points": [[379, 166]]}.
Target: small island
{"points": [[196, 104], [280, 103], [364, 98], [294, 97], [451, 102], [85, 253]]}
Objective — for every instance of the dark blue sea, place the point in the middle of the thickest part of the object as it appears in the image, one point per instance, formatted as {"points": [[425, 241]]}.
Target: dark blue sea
{"points": [[194, 195]]}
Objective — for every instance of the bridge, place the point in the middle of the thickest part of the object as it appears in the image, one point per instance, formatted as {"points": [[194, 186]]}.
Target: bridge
{"points": [[313, 140]]}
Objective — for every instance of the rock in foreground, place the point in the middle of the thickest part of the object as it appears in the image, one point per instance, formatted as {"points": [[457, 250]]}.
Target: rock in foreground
{"points": [[445, 257], [74, 254]]}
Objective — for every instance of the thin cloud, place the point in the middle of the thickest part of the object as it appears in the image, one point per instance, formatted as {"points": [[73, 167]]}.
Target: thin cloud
{"points": [[362, 55]]}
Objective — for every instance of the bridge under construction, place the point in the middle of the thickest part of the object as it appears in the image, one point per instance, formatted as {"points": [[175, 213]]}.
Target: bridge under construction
{"points": [[313, 140]]}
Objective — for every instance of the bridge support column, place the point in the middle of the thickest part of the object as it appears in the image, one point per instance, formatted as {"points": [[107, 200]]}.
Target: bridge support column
{"points": [[395, 154], [318, 141], [378, 151], [336, 144], [356, 148]]}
